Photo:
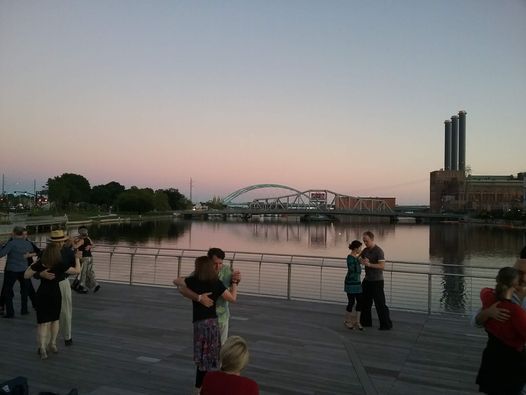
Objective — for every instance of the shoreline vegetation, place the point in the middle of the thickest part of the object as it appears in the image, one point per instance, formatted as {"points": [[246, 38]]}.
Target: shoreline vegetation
{"points": [[45, 221]]}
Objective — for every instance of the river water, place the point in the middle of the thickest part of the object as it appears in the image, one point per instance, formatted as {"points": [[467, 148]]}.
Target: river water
{"points": [[438, 243]]}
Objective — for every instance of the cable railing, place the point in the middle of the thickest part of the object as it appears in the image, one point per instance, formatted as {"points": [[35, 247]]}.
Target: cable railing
{"points": [[416, 286]]}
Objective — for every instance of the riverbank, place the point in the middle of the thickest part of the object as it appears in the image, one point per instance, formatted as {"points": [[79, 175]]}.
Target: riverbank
{"points": [[497, 223], [45, 222]]}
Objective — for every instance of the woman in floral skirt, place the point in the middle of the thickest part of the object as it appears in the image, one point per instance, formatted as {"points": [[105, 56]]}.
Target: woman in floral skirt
{"points": [[207, 340]]}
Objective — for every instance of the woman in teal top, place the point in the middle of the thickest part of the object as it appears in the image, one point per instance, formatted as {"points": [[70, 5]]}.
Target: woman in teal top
{"points": [[353, 286]]}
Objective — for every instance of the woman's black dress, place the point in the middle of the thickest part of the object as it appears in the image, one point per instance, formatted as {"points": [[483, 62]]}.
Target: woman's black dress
{"points": [[48, 296]]}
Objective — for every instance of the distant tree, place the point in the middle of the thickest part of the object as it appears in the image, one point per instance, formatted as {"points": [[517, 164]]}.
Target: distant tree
{"points": [[136, 200], [160, 201], [68, 188], [216, 203], [105, 195], [177, 200]]}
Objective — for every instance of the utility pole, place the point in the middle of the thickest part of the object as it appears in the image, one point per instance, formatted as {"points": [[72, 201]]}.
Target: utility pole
{"points": [[35, 191], [191, 186], [3, 190]]}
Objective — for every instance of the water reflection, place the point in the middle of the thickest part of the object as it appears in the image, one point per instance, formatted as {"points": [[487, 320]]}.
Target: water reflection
{"points": [[315, 234], [139, 232], [448, 247]]}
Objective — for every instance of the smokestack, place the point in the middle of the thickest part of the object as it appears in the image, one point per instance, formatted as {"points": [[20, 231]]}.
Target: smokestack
{"points": [[454, 142], [447, 144], [462, 140]]}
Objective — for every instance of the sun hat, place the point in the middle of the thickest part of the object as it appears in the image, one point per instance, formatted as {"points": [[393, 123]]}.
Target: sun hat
{"points": [[57, 235]]}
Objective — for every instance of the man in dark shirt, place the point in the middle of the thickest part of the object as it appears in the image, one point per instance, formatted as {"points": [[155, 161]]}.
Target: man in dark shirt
{"points": [[372, 258], [18, 250], [37, 252]]}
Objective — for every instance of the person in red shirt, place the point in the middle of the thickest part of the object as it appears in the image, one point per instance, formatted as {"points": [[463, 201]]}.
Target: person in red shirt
{"points": [[234, 358], [503, 366]]}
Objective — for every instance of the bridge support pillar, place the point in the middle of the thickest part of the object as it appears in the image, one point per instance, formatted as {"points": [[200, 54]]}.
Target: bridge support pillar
{"points": [[393, 219]]}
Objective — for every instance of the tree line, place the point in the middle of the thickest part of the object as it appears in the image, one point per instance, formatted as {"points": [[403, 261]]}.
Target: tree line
{"points": [[70, 188]]}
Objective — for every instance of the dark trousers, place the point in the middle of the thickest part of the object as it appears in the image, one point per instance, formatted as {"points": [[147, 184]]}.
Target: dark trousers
{"points": [[199, 377], [10, 279], [374, 291], [2, 297]]}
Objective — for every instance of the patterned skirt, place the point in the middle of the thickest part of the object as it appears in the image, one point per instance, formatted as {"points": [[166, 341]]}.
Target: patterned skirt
{"points": [[207, 343]]}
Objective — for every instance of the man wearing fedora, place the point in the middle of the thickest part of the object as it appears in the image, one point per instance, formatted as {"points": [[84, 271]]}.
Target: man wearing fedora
{"points": [[18, 249]]}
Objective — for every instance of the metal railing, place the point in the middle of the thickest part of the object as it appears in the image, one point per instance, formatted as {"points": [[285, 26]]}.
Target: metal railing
{"points": [[417, 286]]}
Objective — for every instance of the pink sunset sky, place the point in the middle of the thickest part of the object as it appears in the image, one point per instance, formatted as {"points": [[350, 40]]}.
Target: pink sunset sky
{"points": [[345, 96]]}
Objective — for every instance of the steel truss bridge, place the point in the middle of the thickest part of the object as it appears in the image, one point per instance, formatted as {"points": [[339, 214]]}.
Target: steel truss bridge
{"points": [[312, 199]]}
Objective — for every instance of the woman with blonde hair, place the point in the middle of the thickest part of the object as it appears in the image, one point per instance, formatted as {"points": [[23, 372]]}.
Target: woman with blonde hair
{"points": [[234, 358], [48, 295]]}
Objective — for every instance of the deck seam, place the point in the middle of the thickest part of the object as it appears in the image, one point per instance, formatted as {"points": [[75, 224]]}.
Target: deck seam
{"points": [[356, 363]]}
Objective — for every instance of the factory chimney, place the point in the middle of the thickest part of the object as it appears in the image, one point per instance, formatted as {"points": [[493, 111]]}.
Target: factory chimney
{"points": [[454, 142], [447, 144], [462, 141]]}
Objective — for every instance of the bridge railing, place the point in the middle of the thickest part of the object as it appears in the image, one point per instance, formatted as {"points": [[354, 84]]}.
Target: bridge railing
{"points": [[418, 286]]}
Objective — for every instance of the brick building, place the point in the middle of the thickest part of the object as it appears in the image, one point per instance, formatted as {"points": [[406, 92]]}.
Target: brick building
{"points": [[451, 190]]}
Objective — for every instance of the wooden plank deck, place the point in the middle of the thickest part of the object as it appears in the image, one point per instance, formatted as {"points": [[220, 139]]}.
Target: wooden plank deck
{"points": [[133, 340]]}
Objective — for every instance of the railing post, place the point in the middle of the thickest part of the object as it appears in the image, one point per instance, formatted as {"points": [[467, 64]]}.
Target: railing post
{"points": [[109, 268], [289, 280], [179, 259], [289, 277], [131, 265], [155, 265], [321, 278], [429, 292], [259, 273]]}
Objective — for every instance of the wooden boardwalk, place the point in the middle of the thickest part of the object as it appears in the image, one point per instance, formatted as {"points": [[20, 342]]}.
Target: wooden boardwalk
{"points": [[132, 340]]}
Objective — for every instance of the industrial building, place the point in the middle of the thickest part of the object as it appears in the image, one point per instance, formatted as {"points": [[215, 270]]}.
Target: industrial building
{"points": [[452, 189]]}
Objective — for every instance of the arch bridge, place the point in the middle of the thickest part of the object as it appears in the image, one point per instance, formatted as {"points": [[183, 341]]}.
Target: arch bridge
{"points": [[312, 199]]}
